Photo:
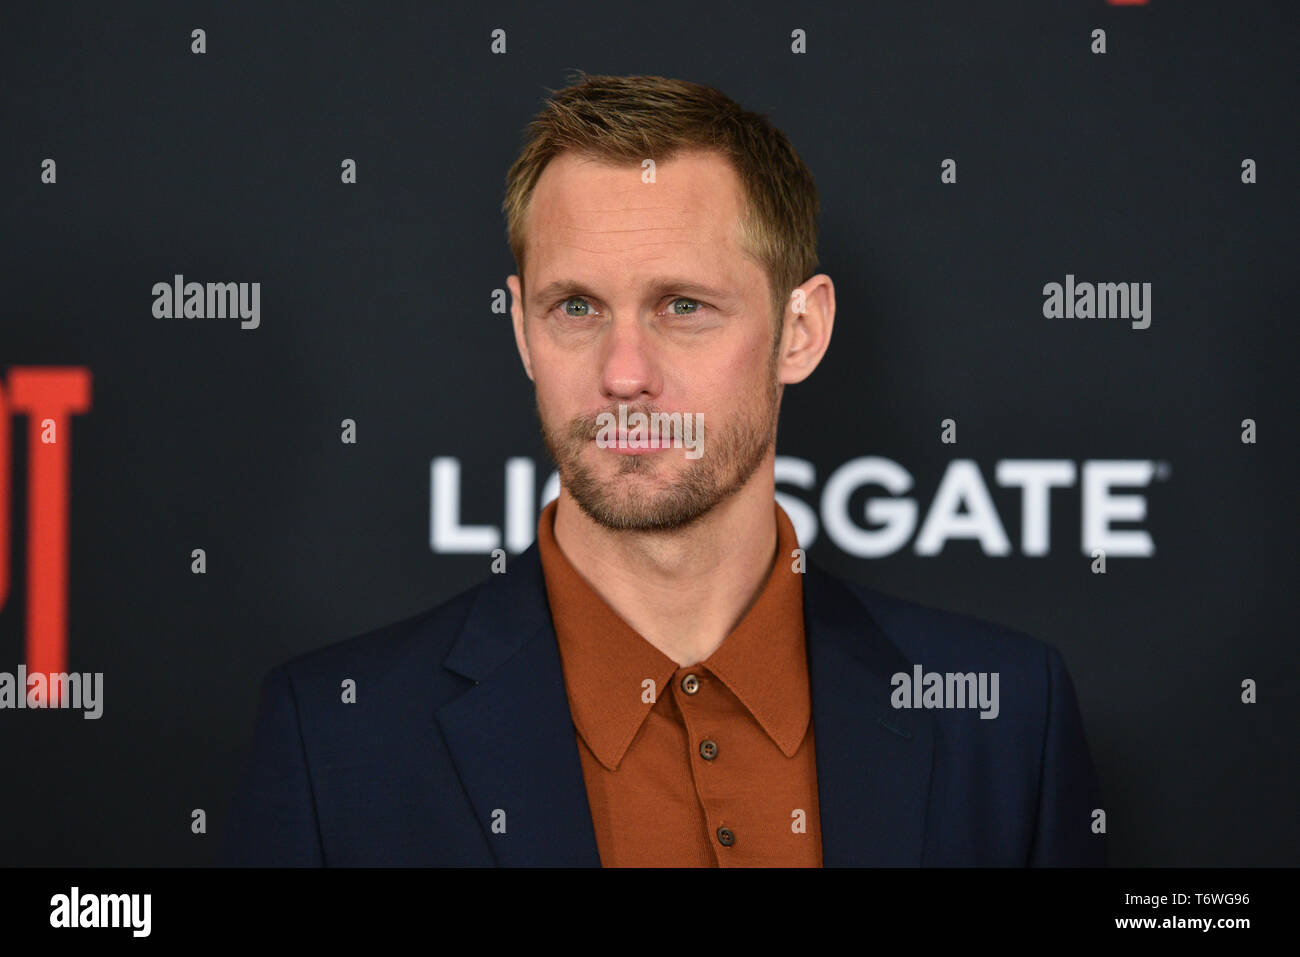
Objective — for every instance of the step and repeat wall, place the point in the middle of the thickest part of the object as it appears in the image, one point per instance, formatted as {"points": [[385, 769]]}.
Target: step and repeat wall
{"points": [[1059, 395]]}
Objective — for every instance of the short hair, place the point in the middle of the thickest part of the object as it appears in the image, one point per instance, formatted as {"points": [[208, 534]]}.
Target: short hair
{"points": [[631, 118]]}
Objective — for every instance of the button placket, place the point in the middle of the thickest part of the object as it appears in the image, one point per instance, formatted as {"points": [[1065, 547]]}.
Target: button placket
{"points": [[694, 715], [708, 748]]}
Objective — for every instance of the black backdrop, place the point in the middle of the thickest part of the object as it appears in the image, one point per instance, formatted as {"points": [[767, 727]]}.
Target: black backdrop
{"points": [[376, 306]]}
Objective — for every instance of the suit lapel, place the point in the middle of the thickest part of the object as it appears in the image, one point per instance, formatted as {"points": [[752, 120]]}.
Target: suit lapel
{"points": [[514, 745], [873, 762], [511, 736]]}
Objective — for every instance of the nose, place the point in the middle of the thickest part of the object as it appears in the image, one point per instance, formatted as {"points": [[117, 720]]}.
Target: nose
{"points": [[629, 364]]}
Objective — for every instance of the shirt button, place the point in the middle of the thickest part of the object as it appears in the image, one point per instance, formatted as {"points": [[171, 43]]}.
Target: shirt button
{"points": [[690, 684], [708, 749], [725, 837]]}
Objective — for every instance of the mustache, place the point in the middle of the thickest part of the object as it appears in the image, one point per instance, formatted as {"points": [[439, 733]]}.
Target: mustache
{"points": [[586, 428]]}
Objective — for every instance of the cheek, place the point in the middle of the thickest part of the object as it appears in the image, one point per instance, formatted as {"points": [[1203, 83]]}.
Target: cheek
{"points": [[743, 374], [555, 397], [729, 382]]}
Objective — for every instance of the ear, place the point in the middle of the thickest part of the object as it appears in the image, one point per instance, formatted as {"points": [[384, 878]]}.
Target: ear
{"points": [[517, 319], [806, 328]]}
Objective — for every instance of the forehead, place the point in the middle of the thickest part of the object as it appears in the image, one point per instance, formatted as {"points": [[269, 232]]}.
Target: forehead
{"points": [[591, 218]]}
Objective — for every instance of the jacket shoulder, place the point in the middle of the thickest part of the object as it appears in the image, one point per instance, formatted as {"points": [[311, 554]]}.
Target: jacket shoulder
{"points": [[428, 634], [925, 633]]}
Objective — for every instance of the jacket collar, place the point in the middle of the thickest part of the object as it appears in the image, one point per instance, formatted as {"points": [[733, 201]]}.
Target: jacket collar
{"points": [[512, 737]]}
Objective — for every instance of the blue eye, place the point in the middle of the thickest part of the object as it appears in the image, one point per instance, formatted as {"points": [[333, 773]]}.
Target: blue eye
{"points": [[579, 301]]}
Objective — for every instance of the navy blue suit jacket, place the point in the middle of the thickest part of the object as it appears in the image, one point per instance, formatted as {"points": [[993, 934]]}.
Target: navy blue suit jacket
{"points": [[461, 714]]}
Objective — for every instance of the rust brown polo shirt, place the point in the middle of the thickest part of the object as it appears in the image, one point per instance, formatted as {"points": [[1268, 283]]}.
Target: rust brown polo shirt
{"points": [[701, 766]]}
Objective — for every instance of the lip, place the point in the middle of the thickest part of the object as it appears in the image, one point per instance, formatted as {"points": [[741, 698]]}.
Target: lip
{"points": [[652, 446]]}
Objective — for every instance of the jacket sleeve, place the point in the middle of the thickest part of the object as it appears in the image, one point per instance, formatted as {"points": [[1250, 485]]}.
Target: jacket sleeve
{"points": [[1068, 788], [272, 820]]}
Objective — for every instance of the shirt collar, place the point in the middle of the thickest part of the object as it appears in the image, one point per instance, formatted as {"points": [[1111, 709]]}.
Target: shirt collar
{"points": [[607, 664]]}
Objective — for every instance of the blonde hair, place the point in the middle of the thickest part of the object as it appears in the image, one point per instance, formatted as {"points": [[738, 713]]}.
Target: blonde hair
{"points": [[631, 118]]}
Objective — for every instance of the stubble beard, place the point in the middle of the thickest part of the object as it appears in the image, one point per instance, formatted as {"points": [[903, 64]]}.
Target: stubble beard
{"points": [[732, 453]]}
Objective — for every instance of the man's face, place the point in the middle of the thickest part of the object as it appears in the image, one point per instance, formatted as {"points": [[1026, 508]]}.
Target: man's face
{"points": [[639, 294]]}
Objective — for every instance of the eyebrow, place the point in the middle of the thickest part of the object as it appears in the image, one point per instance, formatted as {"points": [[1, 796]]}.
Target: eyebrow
{"points": [[659, 285]]}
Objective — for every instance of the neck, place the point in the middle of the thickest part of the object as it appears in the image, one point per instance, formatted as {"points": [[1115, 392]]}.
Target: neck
{"points": [[683, 590]]}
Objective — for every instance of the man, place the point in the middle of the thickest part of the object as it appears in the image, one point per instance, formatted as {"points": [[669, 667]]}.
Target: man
{"points": [[662, 679]]}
